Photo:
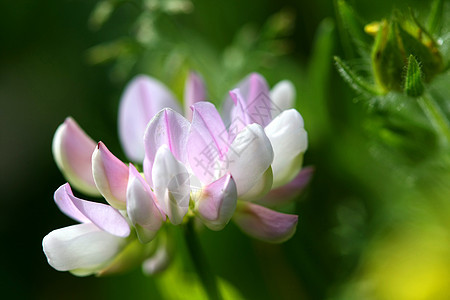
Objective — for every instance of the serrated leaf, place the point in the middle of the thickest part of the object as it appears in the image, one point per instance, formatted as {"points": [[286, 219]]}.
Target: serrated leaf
{"points": [[413, 81], [358, 83], [428, 55]]}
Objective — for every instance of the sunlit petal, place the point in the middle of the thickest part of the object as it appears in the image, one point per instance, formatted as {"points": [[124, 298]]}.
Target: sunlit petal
{"points": [[207, 142], [289, 141], [66, 205], [265, 224], [249, 156], [102, 215], [141, 207], [260, 188], [257, 97], [166, 128], [110, 175], [171, 185], [143, 98], [283, 97], [217, 202], [72, 151], [255, 94], [82, 246], [239, 115]]}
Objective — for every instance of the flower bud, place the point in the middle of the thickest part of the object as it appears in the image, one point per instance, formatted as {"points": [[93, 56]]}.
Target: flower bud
{"points": [[396, 40]]}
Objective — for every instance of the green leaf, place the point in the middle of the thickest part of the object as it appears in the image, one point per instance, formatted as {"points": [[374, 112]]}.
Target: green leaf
{"points": [[351, 29], [358, 83], [413, 81], [318, 77], [435, 18]]}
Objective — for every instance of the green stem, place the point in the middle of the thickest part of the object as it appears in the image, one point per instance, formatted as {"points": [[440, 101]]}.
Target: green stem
{"points": [[198, 259], [436, 116]]}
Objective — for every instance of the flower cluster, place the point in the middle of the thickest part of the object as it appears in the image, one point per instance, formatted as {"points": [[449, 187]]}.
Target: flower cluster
{"points": [[207, 166]]}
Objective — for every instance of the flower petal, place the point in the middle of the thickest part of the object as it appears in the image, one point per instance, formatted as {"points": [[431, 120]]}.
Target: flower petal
{"points": [[256, 97], [82, 246], [66, 205], [289, 141], [217, 202], [159, 261], [110, 176], [166, 128], [249, 156], [207, 142], [239, 117], [263, 184], [171, 185], [283, 97], [142, 210], [102, 215], [143, 98], [72, 150], [194, 91], [285, 193], [265, 224]]}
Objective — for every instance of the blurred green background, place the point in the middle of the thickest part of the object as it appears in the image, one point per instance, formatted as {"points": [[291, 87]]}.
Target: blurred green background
{"points": [[375, 221]]}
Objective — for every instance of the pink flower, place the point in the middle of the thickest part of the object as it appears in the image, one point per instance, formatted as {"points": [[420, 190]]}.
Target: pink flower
{"points": [[200, 166], [90, 246], [252, 102], [94, 170], [143, 98]]}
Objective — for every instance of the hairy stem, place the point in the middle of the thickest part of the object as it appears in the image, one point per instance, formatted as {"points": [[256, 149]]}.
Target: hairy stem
{"points": [[436, 116]]}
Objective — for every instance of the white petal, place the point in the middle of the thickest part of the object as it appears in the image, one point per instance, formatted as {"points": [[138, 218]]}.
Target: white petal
{"points": [[171, 185], [217, 203], [82, 246], [167, 128], [282, 96], [289, 141], [141, 207], [249, 156], [262, 186], [158, 262]]}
